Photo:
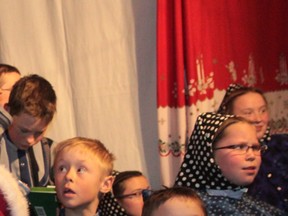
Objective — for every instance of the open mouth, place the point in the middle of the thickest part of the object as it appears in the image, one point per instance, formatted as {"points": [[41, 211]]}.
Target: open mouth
{"points": [[68, 191]]}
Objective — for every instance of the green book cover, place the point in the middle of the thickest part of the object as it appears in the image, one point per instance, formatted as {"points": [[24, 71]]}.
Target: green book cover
{"points": [[43, 201]]}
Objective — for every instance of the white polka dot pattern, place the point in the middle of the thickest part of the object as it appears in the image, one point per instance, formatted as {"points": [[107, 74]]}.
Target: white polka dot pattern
{"points": [[108, 205], [198, 169]]}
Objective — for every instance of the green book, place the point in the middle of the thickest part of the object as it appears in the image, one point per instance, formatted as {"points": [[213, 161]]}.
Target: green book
{"points": [[43, 201]]}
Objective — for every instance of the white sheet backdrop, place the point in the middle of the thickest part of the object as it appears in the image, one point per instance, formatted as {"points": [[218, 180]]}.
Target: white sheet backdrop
{"points": [[100, 56]]}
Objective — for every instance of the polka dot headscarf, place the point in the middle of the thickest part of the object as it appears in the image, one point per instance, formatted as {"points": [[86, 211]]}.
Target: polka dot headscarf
{"points": [[199, 170], [109, 206], [232, 92]]}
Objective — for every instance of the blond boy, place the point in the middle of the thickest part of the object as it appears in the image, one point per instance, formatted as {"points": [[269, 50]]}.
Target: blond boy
{"points": [[82, 171]]}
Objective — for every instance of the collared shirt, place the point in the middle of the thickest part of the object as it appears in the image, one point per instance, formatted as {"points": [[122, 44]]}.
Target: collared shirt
{"points": [[9, 158]]}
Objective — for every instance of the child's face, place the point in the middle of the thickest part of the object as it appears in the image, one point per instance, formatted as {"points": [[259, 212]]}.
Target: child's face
{"points": [[78, 179], [133, 204], [252, 107], [26, 130], [7, 81], [238, 168], [179, 207]]}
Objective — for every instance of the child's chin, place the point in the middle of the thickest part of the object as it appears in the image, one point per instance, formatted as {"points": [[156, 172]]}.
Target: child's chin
{"points": [[69, 205], [246, 183]]}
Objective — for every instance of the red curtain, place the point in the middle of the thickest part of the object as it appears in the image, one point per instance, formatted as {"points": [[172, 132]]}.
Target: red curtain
{"points": [[202, 47]]}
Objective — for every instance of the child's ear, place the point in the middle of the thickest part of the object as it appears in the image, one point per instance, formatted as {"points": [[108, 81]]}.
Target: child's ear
{"points": [[107, 183], [7, 107]]}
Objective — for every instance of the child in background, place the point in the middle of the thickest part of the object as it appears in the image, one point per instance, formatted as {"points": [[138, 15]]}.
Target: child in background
{"points": [[270, 185], [129, 189], [9, 75], [221, 161], [82, 171], [177, 201], [24, 149]]}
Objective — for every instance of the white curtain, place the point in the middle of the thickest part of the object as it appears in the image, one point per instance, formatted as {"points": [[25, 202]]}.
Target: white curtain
{"points": [[100, 56]]}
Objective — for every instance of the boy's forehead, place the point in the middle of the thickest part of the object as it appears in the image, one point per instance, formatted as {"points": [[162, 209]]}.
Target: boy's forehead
{"points": [[11, 77], [76, 153], [27, 121], [80, 149]]}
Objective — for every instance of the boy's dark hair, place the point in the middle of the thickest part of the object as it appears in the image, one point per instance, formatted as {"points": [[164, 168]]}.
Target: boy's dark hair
{"points": [[118, 185], [33, 95], [159, 197], [5, 68]]}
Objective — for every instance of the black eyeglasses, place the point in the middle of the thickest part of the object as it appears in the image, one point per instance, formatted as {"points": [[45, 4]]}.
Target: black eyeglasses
{"points": [[144, 194], [243, 149]]}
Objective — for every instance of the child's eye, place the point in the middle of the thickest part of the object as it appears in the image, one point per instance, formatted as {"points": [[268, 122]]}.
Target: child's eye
{"points": [[62, 169], [23, 131], [241, 147], [81, 170], [248, 113], [263, 110]]}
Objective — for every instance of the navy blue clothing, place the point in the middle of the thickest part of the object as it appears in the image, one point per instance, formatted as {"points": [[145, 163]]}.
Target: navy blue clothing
{"points": [[200, 171], [243, 206], [271, 183]]}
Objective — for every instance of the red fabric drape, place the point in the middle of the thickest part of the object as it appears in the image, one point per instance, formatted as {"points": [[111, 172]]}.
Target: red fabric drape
{"points": [[202, 47], [206, 38]]}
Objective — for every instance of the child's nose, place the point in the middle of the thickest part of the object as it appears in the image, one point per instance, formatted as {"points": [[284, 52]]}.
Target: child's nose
{"points": [[69, 175], [257, 117], [31, 139], [250, 154]]}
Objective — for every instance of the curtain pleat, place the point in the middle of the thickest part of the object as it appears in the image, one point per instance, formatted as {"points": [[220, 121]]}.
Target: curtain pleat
{"points": [[202, 47]]}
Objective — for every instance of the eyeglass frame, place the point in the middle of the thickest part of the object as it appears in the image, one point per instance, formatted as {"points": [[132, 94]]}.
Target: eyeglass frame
{"points": [[255, 148], [143, 193]]}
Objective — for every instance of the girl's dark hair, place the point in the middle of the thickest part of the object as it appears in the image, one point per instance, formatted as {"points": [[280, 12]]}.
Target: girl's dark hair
{"points": [[118, 185], [230, 121], [226, 106]]}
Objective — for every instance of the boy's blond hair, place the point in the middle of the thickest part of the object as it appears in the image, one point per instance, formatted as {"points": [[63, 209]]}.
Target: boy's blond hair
{"points": [[103, 157]]}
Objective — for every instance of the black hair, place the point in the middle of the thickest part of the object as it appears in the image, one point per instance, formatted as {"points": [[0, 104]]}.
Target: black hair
{"points": [[118, 185], [5, 68]]}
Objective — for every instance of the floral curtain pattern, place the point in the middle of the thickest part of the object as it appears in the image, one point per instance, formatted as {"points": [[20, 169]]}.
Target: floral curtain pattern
{"points": [[202, 47]]}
